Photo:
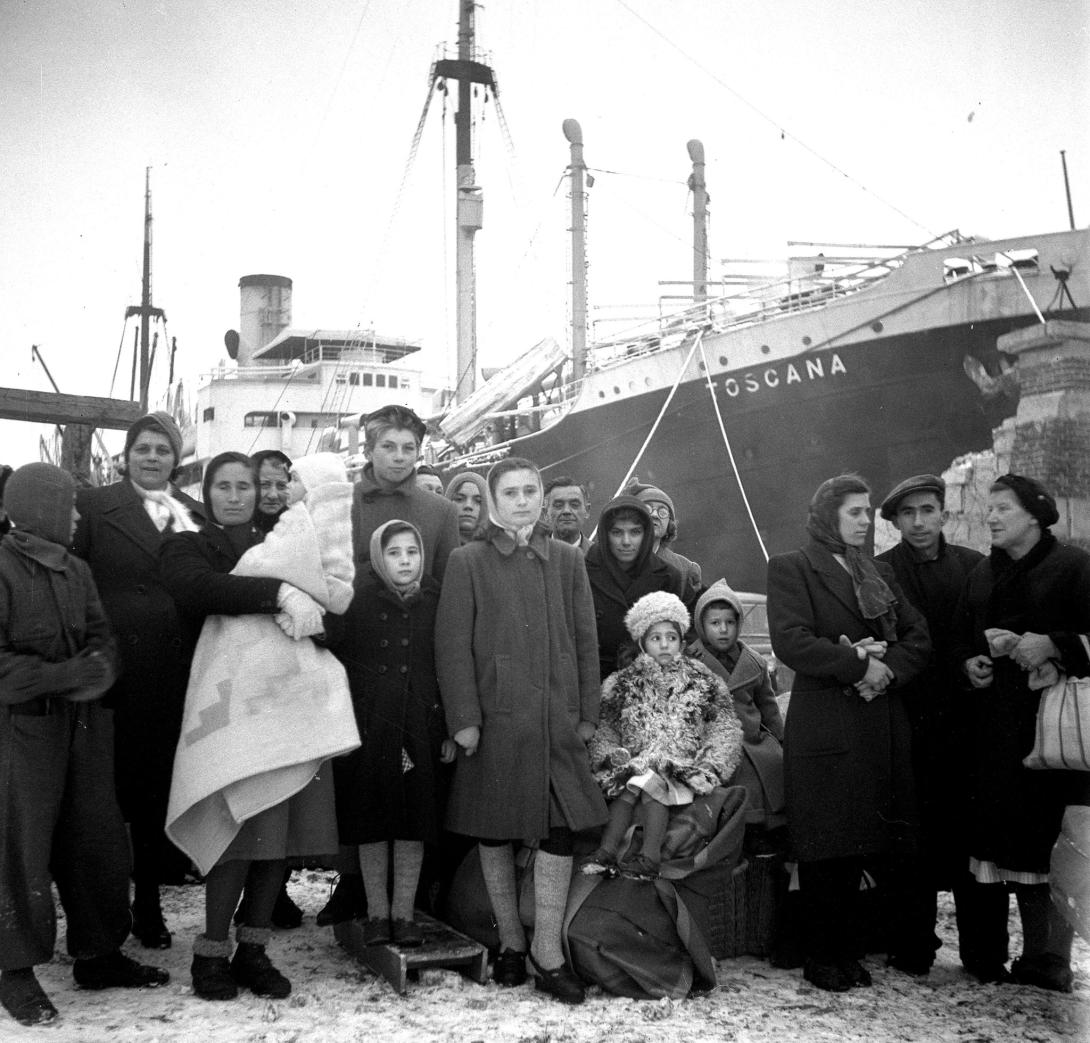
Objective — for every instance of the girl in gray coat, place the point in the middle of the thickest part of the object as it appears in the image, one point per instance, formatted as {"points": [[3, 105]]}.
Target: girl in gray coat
{"points": [[517, 652]]}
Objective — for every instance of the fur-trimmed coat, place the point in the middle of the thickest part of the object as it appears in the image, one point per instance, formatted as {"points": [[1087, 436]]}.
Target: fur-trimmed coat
{"points": [[675, 720]]}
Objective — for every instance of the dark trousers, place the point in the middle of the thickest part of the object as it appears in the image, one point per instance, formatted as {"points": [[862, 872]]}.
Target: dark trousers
{"points": [[829, 903], [60, 822], [982, 913]]}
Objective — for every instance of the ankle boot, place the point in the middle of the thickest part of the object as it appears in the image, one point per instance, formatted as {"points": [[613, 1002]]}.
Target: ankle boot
{"points": [[212, 978], [252, 967]]}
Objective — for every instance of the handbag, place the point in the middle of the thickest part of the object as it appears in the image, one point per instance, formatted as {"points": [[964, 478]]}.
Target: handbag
{"points": [[1062, 739]]}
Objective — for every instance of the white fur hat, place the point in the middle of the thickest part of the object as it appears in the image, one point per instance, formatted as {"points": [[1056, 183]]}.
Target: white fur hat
{"points": [[319, 469], [656, 607]]}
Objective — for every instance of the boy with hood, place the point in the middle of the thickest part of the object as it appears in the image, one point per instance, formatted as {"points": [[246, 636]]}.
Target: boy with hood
{"points": [[59, 817]]}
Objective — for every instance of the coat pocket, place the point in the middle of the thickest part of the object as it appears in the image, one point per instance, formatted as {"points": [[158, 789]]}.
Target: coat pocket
{"points": [[497, 697], [569, 680]]}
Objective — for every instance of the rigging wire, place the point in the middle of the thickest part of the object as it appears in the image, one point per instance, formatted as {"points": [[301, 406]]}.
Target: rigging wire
{"points": [[784, 132]]}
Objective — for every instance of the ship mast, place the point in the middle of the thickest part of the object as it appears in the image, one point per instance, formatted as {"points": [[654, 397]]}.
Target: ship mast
{"points": [[700, 221], [145, 309], [469, 203], [574, 133]]}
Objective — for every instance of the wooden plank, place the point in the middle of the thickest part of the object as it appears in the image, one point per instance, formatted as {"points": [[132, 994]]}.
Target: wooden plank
{"points": [[76, 450], [47, 407], [443, 947]]}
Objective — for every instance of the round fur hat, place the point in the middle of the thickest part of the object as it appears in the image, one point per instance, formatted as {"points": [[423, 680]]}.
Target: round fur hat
{"points": [[656, 607]]}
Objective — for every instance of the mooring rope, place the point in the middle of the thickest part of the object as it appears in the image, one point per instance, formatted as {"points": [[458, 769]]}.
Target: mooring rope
{"points": [[730, 452]]}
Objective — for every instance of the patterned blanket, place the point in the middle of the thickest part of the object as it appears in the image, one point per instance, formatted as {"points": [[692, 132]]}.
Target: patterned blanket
{"points": [[263, 712]]}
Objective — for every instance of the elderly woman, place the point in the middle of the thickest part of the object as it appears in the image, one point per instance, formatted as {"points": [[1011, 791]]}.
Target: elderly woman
{"points": [[839, 620], [121, 529], [273, 474], [1035, 591], [515, 652]]}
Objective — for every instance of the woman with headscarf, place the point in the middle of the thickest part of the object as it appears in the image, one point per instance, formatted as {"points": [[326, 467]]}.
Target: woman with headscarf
{"points": [[839, 620], [273, 471], [622, 567], [121, 528], [247, 790], [515, 651], [1023, 608]]}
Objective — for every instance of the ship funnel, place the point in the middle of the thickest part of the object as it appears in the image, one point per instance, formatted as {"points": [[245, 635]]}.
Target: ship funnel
{"points": [[573, 132], [264, 312]]}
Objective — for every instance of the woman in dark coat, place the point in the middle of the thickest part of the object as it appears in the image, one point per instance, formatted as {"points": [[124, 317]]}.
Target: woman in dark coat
{"points": [[622, 567], [516, 652], [386, 641], [839, 620], [1036, 588], [120, 531]]}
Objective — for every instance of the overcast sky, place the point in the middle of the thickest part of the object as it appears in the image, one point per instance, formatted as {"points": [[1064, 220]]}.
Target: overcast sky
{"points": [[278, 133]]}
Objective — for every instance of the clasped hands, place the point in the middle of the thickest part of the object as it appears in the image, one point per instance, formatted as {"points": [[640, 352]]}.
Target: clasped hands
{"points": [[878, 676], [1029, 651]]}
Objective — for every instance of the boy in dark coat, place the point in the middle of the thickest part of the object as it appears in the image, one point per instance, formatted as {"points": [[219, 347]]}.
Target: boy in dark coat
{"points": [[932, 573], [59, 818]]}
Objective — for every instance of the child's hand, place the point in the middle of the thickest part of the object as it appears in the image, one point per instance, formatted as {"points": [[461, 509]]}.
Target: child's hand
{"points": [[448, 751], [619, 757], [468, 738], [585, 730]]}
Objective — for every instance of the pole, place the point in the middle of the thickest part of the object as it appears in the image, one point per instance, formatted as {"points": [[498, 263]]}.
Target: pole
{"points": [[1067, 189], [574, 133], [700, 221], [145, 297]]}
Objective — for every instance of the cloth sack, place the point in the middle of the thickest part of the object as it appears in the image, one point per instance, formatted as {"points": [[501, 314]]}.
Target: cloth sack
{"points": [[1069, 873], [1063, 725]]}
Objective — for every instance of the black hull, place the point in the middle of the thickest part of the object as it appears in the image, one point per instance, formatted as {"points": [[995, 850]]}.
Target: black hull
{"points": [[886, 409]]}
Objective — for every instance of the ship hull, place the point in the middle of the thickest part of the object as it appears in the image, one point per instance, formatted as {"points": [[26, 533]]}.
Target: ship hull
{"points": [[887, 408]]}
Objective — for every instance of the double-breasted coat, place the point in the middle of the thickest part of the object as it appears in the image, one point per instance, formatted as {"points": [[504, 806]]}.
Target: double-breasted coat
{"points": [[848, 775], [517, 656], [120, 542], [386, 645]]}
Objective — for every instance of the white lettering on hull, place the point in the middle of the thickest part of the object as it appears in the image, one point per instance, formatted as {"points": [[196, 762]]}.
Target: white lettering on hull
{"points": [[774, 376]]}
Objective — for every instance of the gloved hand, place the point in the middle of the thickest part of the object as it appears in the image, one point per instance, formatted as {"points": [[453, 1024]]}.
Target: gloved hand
{"points": [[300, 615]]}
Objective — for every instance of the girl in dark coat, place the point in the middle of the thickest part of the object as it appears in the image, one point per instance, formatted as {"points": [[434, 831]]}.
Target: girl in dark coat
{"points": [[622, 567], [839, 620], [1038, 589], [389, 789], [516, 652], [121, 529]]}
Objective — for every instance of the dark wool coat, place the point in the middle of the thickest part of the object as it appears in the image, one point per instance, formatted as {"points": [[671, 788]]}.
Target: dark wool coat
{"points": [[435, 518], [1015, 813], [516, 652], [677, 721], [121, 544], [616, 591], [846, 761], [938, 709], [387, 646]]}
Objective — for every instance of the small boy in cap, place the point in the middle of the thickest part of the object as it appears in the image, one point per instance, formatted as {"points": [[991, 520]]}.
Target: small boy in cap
{"points": [[932, 573], [59, 819]]}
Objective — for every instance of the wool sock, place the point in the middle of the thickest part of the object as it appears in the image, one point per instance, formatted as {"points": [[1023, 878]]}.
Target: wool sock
{"points": [[374, 865], [498, 869], [408, 858], [655, 819], [262, 886], [552, 876]]}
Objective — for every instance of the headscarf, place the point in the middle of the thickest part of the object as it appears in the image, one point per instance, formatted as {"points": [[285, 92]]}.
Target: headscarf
{"points": [[482, 487], [521, 535], [1033, 496], [262, 521], [239, 535], [378, 562], [600, 551], [875, 599]]}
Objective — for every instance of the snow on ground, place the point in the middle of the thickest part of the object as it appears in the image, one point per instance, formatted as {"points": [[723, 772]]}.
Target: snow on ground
{"points": [[336, 1000]]}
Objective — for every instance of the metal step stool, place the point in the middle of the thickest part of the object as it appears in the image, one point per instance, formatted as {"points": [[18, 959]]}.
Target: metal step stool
{"points": [[443, 947]]}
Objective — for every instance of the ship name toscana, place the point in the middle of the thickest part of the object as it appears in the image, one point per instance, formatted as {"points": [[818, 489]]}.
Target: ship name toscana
{"points": [[815, 368]]}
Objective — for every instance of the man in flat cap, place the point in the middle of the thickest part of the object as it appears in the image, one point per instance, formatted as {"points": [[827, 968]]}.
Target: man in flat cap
{"points": [[932, 574]]}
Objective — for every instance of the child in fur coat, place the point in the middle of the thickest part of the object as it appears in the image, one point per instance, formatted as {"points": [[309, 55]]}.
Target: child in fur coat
{"points": [[667, 733]]}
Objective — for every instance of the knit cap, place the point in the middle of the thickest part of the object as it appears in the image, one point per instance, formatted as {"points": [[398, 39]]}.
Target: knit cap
{"points": [[656, 607], [718, 592], [650, 494], [320, 469], [161, 422], [39, 498]]}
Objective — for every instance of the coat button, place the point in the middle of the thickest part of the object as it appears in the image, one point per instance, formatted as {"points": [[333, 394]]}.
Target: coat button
{"points": [[529, 554], [404, 615], [404, 642], [141, 589], [384, 643], [382, 669], [402, 669], [382, 615]]}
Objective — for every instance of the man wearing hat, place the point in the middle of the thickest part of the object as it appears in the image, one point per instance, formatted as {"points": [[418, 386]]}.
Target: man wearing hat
{"points": [[59, 819], [121, 529], [932, 574]]}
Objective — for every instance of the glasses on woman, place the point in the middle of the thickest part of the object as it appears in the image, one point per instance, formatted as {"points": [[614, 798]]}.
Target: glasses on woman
{"points": [[659, 509]]}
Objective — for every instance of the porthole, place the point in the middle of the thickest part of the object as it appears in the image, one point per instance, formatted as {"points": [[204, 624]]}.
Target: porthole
{"points": [[722, 360], [765, 349], [877, 326], [807, 341]]}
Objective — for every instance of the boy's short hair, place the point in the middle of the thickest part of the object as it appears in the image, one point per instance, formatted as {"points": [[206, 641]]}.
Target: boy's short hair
{"points": [[391, 418], [564, 481]]}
